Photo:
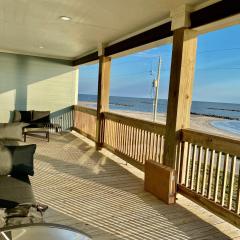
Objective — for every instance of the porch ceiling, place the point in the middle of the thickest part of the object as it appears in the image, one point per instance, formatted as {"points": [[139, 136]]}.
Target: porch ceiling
{"points": [[25, 25]]}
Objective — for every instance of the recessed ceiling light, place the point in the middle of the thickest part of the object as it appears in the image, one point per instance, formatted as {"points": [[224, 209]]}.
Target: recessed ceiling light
{"points": [[41, 47], [65, 18]]}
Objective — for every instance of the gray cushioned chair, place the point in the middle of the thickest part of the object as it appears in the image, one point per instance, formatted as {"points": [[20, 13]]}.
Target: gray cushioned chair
{"points": [[15, 190]]}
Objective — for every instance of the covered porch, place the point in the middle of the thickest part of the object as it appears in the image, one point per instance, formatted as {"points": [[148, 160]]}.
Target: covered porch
{"points": [[98, 193], [92, 177]]}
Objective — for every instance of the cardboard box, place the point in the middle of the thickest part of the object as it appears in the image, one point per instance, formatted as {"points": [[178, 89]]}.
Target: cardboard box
{"points": [[160, 180]]}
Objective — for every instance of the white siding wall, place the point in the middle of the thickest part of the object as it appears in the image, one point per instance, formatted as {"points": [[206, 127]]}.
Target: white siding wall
{"points": [[31, 83]]}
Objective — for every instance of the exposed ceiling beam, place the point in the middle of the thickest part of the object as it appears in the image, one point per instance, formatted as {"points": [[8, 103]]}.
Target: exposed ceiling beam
{"points": [[85, 59], [152, 35], [214, 12]]}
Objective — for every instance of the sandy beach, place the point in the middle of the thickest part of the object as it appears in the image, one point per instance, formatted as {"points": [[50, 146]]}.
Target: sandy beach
{"points": [[198, 122]]}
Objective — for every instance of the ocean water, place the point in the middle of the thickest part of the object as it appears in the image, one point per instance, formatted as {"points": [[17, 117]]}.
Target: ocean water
{"points": [[228, 113]]}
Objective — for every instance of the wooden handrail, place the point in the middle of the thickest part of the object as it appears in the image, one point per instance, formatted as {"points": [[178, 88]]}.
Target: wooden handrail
{"points": [[90, 111], [138, 123], [217, 142]]}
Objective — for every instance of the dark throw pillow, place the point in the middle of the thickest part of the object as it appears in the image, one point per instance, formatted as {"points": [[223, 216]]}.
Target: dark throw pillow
{"points": [[41, 117], [26, 116], [22, 159]]}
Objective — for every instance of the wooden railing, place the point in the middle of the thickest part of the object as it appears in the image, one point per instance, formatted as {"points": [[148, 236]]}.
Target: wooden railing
{"points": [[63, 117], [133, 139], [85, 121], [208, 165], [210, 172]]}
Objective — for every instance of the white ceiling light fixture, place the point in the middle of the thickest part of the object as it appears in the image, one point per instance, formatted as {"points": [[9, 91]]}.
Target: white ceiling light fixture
{"points": [[65, 18], [41, 47]]}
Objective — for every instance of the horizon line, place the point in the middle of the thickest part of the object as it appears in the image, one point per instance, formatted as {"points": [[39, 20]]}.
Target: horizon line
{"points": [[159, 98]]}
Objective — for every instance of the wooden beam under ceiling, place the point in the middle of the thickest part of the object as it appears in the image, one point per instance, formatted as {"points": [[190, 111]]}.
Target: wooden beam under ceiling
{"points": [[214, 12], [88, 58], [149, 36]]}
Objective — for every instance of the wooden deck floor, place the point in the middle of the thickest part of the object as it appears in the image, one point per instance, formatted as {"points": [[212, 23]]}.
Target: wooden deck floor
{"points": [[102, 196]]}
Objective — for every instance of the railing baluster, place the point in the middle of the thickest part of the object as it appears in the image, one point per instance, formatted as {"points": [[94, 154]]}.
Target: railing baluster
{"points": [[211, 174], [219, 160], [127, 140], [238, 192], [178, 164], [204, 171], [147, 146], [224, 179], [139, 145], [188, 164], [114, 134], [130, 140], [107, 134], [122, 137], [125, 134], [232, 176], [151, 145], [143, 145], [156, 148], [193, 166], [117, 135], [142, 141], [199, 168], [183, 163], [136, 144], [161, 149]]}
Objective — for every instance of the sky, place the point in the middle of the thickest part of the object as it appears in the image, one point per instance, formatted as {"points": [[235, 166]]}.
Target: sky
{"points": [[217, 72]]}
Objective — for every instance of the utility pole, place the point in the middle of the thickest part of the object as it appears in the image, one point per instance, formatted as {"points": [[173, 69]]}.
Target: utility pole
{"points": [[156, 85]]}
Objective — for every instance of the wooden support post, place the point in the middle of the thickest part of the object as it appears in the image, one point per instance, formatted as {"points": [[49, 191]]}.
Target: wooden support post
{"points": [[180, 91], [161, 180], [103, 97]]}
